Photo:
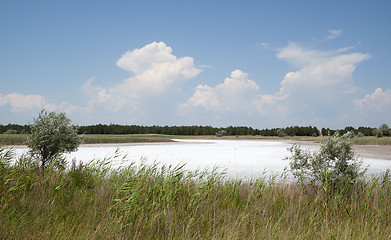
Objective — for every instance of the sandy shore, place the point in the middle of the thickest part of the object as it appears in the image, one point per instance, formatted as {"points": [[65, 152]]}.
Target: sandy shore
{"points": [[373, 151], [363, 151]]}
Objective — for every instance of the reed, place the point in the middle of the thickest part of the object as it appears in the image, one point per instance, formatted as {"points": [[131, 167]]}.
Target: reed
{"points": [[20, 139], [140, 201], [371, 140], [12, 139], [127, 138]]}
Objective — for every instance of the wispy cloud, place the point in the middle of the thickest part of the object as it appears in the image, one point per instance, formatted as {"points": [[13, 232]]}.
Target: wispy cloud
{"points": [[204, 66], [334, 34], [263, 45]]}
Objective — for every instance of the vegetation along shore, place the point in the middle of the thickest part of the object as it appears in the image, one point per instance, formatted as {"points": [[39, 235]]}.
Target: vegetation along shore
{"points": [[20, 139], [167, 202], [13, 134]]}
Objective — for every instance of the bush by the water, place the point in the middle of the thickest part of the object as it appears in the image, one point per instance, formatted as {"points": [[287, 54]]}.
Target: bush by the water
{"points": [[332, 165], [52, 135]]}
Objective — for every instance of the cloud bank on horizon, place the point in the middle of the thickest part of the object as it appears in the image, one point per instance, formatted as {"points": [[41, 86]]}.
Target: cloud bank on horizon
{"points": [[320, 89]]}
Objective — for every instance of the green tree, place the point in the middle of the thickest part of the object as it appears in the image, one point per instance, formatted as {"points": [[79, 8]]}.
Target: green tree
{"points": [[385, 130], [11, 131], [51, 136], [280, 132], [332, 164]]}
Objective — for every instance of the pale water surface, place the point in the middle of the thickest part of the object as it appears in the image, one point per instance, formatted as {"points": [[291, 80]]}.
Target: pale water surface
{"points": [[243, 159]]}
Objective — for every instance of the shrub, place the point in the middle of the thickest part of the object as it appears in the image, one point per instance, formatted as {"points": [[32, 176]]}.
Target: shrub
{"points": [[280, 133], [221, 133], [11, 131], [51, 136], [333, 164], [383, 130]]}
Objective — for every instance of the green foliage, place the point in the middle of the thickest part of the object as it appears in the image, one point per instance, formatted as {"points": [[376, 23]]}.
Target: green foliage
{"points": [[201, 130], [371, 140], [385, 129], [23, 129], [51, 135], [334, 164], [280, 133], [11, 131], [12, 139], [221, 133], [6, 156], [125, 138], [382, 131]]}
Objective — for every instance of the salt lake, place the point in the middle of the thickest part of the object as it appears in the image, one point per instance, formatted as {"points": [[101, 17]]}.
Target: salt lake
{"points": [[244, 159]]}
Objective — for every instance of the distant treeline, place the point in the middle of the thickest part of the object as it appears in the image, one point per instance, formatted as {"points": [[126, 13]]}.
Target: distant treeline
{"points": [[198, 130], [14, 129]]}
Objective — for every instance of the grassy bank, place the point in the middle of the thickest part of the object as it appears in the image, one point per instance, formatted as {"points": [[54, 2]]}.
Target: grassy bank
{"points": [[355, 140], [160, 202], [19, 139], [134, 138], [12, 139], [372, 141]]}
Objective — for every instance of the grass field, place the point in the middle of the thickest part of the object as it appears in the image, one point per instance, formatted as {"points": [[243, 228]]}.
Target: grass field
{"points": [[12, 139], [167, 202], [372, 141], [19, 139], [134, 138]]}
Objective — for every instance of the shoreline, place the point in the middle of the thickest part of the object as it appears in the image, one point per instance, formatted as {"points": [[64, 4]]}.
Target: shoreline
{"points": [[362, 151]]}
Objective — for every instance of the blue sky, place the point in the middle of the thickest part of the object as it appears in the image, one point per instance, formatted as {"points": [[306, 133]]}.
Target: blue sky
{"points": [[262, 64]]}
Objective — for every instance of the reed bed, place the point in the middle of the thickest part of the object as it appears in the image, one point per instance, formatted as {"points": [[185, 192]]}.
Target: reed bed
{"points": [[140, 201], [127, 138], [20, 139], [12, 139], [371, 140]]}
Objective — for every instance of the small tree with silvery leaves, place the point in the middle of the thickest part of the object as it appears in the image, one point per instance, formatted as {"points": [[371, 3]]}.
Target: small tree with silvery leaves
{"points": [[334, 163], [52, 135]]}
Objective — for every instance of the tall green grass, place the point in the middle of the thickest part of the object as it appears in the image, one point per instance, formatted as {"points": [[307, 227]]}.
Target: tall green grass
{"points": [[141, 201], [20, 139], [371, 140], [128, 138], [12, 139]]}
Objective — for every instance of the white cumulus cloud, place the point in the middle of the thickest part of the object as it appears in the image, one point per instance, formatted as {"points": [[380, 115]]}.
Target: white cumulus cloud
{"points": [[379, 100], [33, 102], [235, 93], [326, 71], [21, 103], [321, 86], [319, 69], [153, 68]]}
